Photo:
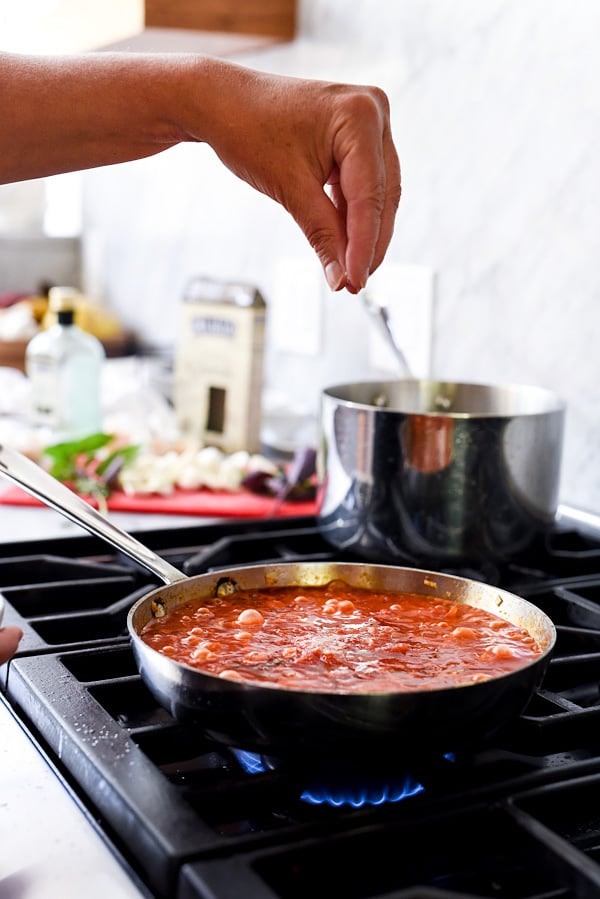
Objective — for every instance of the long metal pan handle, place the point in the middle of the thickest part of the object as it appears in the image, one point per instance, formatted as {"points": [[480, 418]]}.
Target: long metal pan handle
{"points": [[27, 474]]}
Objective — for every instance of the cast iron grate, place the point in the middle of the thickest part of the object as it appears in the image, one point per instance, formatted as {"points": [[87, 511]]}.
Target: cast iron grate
{"points": [[194, 823]]}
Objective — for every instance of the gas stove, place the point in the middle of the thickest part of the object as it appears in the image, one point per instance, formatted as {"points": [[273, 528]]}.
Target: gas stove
{"points": [[190, 819]]}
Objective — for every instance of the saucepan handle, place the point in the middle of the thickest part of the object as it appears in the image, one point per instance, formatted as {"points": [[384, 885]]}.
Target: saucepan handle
{"points": [[27, 474]]}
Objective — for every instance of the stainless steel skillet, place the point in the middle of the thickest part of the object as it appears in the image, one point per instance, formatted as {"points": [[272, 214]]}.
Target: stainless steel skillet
{"points": [[290, 723]]}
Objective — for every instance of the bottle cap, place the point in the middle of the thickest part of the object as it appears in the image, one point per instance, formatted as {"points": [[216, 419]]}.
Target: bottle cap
{"points": [[62, 299]]}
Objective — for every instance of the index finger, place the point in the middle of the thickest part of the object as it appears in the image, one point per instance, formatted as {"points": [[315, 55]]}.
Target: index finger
{"points": [[369, 180]]}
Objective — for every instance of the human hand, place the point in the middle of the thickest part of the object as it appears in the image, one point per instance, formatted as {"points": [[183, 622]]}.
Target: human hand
{"points": [[9, 640], [322, 150]]}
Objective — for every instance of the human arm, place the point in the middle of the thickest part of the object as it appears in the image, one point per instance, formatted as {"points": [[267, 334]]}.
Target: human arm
{"points": [[292, 139]]}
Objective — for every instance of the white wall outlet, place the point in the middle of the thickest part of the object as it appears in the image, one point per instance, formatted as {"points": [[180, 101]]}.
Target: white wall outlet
{"points": [[406, 292], [296, 312]]}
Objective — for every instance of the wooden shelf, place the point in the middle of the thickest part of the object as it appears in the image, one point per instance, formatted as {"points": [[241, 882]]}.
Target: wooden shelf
{"points": [[273, 18]]}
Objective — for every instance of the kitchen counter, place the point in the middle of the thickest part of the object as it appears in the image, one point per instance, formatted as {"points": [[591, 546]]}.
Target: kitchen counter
{"points": [[132, 398], [18, 523], [49, 849]]}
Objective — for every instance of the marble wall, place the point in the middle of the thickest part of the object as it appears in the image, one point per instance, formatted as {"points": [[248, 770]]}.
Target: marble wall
{"points": [[496, 115]]}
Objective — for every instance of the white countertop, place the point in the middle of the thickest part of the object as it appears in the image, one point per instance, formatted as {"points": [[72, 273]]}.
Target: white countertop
{"points": [[49, 848]]}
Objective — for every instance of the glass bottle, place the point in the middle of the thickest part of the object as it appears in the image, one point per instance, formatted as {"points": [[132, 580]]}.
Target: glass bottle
{"points": [[64, 366]]}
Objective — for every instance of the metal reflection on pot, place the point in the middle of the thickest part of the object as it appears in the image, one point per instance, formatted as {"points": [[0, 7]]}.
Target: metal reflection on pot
{"points": [[427, 443]]}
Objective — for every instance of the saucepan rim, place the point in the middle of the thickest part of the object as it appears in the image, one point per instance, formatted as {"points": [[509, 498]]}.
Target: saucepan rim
{"points": [[523, 400]]}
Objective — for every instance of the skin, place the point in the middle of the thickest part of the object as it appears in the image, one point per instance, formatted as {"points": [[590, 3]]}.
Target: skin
{"points": [[9, 640], [324, 151]]}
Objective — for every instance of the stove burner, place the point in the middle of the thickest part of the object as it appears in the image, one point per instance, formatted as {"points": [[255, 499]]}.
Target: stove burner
{"points": [[339, 785], [195, 818]]}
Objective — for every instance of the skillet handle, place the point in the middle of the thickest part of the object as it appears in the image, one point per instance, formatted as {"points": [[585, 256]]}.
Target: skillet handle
{"points": [[27, 474]]}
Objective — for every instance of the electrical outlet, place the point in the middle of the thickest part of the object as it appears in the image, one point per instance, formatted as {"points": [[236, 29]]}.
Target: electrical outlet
{"points": [[406, 292]]}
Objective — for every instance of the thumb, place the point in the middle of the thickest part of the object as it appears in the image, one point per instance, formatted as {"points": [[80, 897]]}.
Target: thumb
{"points": [[324, 226]]}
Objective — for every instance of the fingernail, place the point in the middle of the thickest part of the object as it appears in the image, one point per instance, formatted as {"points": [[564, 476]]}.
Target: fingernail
{"points": [[335, 275], [361, 284]]}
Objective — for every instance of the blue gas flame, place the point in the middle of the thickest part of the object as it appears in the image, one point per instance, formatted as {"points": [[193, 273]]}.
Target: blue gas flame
{"points": [[351, 790], [358, 796]]}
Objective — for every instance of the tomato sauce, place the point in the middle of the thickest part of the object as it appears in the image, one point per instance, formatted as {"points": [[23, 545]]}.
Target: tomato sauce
{"points": [[337, 638]]}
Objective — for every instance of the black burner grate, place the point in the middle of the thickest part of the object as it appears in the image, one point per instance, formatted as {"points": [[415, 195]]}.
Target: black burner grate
{"points": [[194, 823]]}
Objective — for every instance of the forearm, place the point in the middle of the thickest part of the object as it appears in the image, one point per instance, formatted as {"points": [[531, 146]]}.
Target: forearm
{"points": [[324, 151], [70, 113]]}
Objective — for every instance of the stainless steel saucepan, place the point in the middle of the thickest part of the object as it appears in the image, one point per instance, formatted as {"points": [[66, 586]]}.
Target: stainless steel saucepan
{"points": [[437, 472], [314, 725]]}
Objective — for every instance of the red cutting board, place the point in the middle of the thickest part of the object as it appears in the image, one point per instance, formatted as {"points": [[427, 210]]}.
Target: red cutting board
{"points": [[209, 503]]}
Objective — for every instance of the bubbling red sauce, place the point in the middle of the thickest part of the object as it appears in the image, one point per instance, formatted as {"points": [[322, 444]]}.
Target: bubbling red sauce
{"points": [[338, 638]]}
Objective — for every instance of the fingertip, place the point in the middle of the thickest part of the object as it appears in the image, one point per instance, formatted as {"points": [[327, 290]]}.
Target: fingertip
{"points": [[357, 284], [10, 637], [13, 633], [335, 275]]}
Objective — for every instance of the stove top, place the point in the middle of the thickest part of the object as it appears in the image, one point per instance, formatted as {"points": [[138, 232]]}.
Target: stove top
{"points": [[195, 820]]}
